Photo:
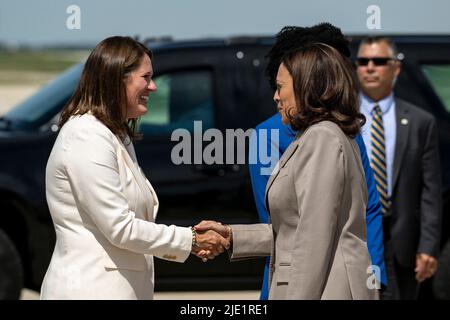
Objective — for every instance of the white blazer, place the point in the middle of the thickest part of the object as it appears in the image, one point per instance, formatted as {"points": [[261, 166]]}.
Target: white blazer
{"points": [[103, 210]]}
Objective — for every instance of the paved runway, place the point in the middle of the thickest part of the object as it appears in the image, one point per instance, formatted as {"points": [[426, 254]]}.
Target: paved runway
{"points": [[188, 295]]}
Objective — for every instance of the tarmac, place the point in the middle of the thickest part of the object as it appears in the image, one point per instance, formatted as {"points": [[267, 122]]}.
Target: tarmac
{"points": [[180, 295], [11, 95]]}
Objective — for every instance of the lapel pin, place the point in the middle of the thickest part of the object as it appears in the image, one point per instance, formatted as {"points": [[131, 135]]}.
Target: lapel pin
{"points": [[404, 121]]}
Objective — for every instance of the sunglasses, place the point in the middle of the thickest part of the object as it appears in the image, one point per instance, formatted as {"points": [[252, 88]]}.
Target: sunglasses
{"points": [[381, 61]]}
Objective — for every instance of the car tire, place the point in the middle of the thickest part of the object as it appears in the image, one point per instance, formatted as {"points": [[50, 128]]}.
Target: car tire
{"points": [[441, 281], [11, 271]]}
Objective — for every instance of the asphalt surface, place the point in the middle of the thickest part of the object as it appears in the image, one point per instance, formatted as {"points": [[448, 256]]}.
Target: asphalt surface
{"points": [[188, 295]]}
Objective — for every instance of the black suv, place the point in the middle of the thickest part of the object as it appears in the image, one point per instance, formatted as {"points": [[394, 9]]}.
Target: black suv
{"points": [[219, 82]]}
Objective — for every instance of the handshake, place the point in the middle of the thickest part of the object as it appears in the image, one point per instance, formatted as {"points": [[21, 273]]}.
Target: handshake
{"points": [[211, 239]]}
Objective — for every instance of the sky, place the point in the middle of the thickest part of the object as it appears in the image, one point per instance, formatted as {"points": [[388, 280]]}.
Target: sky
{"points": [[78, 22]]}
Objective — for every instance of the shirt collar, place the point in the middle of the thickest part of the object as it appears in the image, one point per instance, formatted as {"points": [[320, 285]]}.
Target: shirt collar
{"points": [[385, 104]]}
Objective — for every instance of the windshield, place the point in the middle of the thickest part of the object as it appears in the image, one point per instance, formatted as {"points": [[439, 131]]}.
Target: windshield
{"points": [[48, 101], [439, 77]]}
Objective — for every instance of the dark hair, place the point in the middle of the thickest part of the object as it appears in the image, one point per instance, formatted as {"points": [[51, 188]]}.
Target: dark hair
{"points": [[291, 38], [102, 90], [378, 39], [325, 88]]}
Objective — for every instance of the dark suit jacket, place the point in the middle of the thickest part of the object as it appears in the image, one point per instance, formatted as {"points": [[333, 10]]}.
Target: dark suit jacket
{"points": [[416, 194]]}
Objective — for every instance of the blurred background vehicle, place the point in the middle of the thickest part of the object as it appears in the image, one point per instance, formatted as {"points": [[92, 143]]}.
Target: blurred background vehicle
{"points": [[220, 82]]}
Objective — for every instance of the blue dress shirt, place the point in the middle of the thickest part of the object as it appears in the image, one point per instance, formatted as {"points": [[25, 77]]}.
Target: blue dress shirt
{"points": [[259, 182]]}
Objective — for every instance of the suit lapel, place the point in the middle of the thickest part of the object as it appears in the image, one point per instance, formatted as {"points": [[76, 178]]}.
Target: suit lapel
{"points": [[403, 123], [146, 189], [281, 163], [155, 197]]}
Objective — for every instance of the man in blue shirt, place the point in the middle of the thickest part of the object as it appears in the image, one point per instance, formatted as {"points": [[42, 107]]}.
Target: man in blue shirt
{"points": [[290, 38]]}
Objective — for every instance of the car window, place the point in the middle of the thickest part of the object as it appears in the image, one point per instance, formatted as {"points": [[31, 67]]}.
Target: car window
{"points": [[181, 98], [439, 78]]}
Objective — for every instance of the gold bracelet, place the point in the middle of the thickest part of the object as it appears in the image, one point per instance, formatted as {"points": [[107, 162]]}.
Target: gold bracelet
{"points": [[194, 237]]}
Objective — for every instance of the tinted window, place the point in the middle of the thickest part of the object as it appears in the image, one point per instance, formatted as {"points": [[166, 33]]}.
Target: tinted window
{"points": [[181, 98], [439, 78]]}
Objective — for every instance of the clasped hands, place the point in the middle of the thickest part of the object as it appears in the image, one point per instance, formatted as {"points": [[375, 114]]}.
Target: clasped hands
{"points": [[212, 238]]}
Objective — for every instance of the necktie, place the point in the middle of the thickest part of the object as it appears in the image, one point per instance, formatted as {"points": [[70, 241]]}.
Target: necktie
{"points": [[378, 157]]}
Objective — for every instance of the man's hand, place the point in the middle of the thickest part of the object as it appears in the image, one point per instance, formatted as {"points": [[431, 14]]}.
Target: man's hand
{"points": [[426, 266]]}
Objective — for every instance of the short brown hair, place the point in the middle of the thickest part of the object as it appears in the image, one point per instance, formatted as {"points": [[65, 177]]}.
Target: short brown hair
{"points": [[377, 39], [101, 89], [325, 88]]}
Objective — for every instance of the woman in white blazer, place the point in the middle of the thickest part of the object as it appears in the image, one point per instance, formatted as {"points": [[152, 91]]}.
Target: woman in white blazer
{"points": [[103, 207]]}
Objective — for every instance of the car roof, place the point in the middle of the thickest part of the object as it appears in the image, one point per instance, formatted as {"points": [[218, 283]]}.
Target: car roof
{"points": [[169, 44]]}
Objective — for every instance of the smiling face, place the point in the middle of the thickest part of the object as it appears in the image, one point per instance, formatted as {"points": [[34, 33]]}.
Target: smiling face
{"points": [[139, 84], [284, 95], [377, 82]]}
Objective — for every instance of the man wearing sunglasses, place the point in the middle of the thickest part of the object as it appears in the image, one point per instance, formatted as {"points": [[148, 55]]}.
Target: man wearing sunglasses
{"points": [[402, 144]]}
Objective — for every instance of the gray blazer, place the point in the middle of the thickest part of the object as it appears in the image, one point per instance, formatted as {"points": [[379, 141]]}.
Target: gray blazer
{"points": [[316, 199]]}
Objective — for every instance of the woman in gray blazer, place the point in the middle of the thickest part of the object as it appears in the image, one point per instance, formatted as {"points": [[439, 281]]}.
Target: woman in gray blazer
{"points": [[102, 205], [317, 194]]}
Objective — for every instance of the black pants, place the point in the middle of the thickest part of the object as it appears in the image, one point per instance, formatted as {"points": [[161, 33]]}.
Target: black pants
{"points": [[402, 284]]}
